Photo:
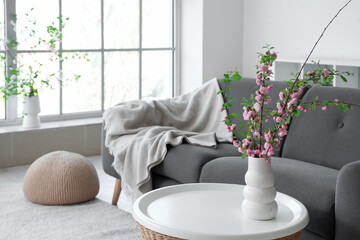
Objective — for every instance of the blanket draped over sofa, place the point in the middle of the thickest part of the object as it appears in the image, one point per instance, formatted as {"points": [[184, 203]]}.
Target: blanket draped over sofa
{"points": [[154, 124]]}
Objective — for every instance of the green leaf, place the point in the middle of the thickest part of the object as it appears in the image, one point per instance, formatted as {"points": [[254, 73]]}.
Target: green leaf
{"points": [[296, 112], [243, 134], [313, 106], [233, 115], [343, 78], [241, 125], [340, 107], [219, 92], [236, 77], [244, 155]]}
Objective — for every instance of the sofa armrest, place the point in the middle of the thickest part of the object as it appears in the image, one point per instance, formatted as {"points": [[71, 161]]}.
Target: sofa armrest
{"points": [[106, 157], [347, 202]]}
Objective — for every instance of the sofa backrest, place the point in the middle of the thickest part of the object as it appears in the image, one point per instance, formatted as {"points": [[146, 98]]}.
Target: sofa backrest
{"points": [[329, 138]]}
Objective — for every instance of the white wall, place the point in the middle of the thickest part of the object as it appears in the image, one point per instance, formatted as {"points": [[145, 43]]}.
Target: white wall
{"points": [[222, 37], [294, 26], [191, 14], [211, 40]]}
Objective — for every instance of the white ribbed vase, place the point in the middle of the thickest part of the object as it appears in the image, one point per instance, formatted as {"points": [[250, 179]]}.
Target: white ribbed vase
{"points": [[31, 112], [259, 193]]}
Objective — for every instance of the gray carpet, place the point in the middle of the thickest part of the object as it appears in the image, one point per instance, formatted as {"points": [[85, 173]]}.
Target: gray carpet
{"points": [[96, 219]]}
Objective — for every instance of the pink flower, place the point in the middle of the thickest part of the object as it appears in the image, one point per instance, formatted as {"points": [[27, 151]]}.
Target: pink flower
{"points": [[267, 100], [257, 107], [282, 96], [270, 87], [263, 90], [258, 81], [267, 136], [305, 110], [258, 77], [337, 101], [247, 116], [256, 134], [236, 143], [233, 126], [324, 108], [264, 68], [258, 98], [231, 139], [221, 109], [275, 55], [267, 119], [228, 129], [242, 150], [326, 73], [300, 108], [278, 119], [267, 145], [270, 64], [295, 95], [310, 73]]}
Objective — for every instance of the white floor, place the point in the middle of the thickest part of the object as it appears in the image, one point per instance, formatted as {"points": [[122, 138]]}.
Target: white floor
{"points": [[107, 183]]}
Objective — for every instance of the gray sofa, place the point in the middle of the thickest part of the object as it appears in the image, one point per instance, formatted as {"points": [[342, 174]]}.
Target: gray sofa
{"points": [[318, 164]]}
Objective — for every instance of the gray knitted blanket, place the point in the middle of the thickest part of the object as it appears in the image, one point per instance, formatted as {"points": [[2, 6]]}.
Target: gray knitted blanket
{"points": [[194, 116]]}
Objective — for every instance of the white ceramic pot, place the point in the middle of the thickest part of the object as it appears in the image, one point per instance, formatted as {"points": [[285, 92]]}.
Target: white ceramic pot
{"points": [[259, 193], [31, 112]]}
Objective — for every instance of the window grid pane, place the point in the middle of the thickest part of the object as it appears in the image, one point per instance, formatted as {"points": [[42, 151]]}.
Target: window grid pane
{"points": [[84, 94], [83, 29], [121, 77], [119, 45], [121, 24]]}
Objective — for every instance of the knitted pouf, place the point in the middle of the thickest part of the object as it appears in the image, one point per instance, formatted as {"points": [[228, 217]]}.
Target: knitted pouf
{"points": [[61, 178]]}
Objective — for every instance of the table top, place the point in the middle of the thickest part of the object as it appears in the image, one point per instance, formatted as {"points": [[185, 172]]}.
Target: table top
{"points": [[209, 211]]}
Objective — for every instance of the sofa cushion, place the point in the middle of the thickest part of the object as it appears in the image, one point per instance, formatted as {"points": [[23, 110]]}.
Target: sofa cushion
{"points": [[328, 138], [311, 184], [183, 163]]}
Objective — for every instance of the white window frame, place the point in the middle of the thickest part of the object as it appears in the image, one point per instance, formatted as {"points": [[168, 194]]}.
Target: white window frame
{"points": [[10, 9]]}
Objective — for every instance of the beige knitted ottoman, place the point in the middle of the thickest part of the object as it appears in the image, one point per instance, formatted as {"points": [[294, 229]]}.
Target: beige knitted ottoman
{"points": [[61, 178]]}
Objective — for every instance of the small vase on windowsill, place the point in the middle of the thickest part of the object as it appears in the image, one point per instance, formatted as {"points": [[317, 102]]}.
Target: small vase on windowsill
{"points": [[31, 112], [259, 193]]}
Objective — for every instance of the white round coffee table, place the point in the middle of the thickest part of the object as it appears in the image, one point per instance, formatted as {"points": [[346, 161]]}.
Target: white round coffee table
{"points": [[209, 211]]}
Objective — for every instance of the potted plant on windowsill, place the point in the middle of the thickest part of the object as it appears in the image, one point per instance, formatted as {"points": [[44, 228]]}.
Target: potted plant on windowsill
{"points": [[27, 79]]}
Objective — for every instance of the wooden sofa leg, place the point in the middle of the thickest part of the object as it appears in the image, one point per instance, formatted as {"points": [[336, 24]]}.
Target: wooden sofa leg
{"points": [[117, 191]]}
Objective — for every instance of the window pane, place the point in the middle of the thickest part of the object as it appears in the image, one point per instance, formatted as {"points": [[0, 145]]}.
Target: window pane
{"points": [[83, 30], [156, 23], [156, 74], [44, 13], [121, 24], [2, 77], [2, 108], [121, 77], [2, 26], [83, 94], [49, 96]]}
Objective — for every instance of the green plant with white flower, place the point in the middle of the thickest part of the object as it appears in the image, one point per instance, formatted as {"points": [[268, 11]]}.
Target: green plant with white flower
{"points": [[26, 79]]}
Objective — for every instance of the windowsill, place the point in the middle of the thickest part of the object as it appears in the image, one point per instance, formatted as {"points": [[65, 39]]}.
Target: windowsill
{"points": [[53, 125]]}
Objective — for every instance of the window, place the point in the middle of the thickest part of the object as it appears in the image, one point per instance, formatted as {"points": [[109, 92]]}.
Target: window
{"points": [[129, 45], [2, 54]]}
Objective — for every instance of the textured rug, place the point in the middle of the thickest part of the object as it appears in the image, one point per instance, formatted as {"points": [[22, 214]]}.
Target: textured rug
{"points": [[96, 219]]}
